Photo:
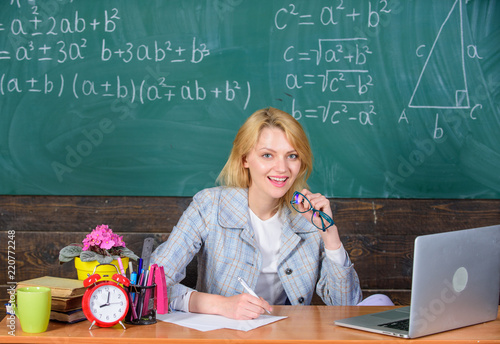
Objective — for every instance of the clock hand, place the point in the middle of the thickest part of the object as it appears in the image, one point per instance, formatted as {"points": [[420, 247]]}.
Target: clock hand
{"points": [[107, 302]]}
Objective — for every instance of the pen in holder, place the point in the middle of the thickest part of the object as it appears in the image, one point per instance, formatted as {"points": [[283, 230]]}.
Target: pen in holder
{"points": [[142, 310]]}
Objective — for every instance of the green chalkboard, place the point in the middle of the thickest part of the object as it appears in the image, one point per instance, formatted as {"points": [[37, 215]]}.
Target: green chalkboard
{"points": [[400, 99]]}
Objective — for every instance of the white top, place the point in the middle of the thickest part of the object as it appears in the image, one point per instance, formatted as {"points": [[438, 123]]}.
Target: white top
{"points": [[268, 237]]}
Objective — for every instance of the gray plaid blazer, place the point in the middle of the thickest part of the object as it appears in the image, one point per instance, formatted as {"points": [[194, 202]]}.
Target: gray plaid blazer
{"points": [[216, 227]]}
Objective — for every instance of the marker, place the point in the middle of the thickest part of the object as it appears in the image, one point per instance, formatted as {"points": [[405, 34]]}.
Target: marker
{"points": [[139, 268], [247, 288], [133, 278], [133, 281], [121, 266]]}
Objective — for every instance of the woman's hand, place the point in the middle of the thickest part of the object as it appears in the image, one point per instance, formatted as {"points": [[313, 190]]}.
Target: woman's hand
{"points": [[318, 201], [240, 307]]}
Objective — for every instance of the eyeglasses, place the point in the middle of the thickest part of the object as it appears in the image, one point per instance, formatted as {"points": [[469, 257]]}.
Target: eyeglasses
{"points": [[326, 221]]}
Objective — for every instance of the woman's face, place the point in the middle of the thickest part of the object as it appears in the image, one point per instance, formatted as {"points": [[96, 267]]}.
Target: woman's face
{"points": [[273, 165]]}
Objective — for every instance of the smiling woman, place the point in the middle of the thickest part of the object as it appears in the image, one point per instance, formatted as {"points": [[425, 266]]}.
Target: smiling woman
{"points": [[280, 253]]}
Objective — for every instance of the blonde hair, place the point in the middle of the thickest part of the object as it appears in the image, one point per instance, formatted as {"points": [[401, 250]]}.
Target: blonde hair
{"points": [[234, 174]]}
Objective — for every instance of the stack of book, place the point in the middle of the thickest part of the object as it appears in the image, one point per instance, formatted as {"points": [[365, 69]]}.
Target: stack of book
{"points": [[67, 297]]}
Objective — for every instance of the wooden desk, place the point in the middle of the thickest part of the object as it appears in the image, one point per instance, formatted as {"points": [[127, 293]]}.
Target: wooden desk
{"points": [[309, 324]]}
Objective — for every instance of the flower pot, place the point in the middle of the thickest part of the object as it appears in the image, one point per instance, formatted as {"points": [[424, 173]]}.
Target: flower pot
{"points": [[85, 269]]}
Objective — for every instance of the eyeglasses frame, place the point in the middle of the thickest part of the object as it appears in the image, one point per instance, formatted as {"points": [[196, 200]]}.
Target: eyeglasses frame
{"points": [[321, 214]]}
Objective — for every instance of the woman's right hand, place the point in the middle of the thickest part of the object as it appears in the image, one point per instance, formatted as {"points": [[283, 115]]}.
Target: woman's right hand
{"points": [[240, 307]]}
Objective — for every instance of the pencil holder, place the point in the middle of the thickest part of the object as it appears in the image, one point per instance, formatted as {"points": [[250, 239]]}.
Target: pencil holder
{"points": [[142, 310]]}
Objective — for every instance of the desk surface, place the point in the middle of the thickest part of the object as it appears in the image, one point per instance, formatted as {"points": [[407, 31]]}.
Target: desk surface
{"points": [[305, 324]]}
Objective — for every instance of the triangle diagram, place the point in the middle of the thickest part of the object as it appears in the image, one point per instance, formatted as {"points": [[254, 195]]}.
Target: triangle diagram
{"points": [[442, 84]]}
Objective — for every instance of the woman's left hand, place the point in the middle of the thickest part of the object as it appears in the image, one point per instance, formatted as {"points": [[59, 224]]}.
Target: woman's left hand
{"points": [[318, 201]]}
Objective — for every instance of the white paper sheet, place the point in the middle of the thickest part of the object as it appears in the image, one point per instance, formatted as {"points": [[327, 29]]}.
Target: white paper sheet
{"points": [[208, 322]]}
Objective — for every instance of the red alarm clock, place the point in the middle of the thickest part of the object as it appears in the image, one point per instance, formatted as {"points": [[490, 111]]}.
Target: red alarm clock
{"points": [[105, 303]]}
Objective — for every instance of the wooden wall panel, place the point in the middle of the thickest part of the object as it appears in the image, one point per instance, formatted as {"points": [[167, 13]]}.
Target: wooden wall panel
{"points": [[377, 233]]}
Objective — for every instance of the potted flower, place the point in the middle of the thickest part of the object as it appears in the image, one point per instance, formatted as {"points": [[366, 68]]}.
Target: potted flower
{"points": [[99, 247]]}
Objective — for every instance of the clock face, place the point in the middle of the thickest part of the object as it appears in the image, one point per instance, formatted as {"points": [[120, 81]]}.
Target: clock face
{"points": [[108, 303]]}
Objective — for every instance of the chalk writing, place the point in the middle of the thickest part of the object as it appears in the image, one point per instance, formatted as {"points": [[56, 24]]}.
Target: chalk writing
{"points": [[334, 65], [78, 86], [39, 25], [459, 97], [51, 41]]}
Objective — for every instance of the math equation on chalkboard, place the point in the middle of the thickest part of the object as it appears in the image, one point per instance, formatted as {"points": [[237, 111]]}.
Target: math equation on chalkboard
{"points": [[38, 41]]}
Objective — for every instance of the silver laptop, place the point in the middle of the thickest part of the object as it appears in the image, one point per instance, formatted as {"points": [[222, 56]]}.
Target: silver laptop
{"points": [[456, 283]]}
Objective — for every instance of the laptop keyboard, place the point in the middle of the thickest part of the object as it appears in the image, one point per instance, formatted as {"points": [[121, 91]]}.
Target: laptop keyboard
{"points": [[403, 325]]}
